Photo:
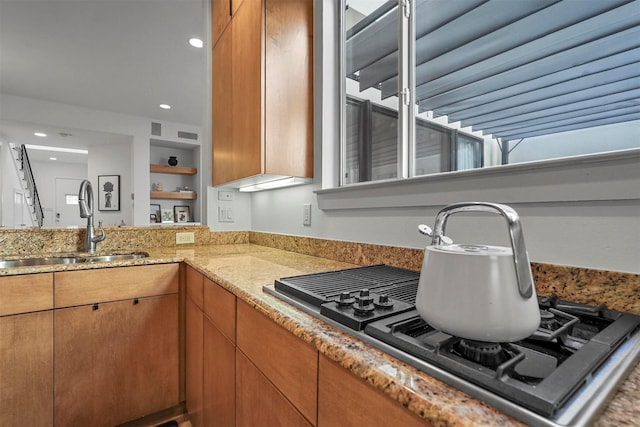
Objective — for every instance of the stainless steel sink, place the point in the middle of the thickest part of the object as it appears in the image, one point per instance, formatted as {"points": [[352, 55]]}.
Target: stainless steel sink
{"points": [[116, 257], [69, 259], [30, 262]]}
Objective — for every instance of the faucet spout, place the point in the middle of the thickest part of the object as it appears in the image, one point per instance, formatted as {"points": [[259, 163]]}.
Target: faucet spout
{"points": [[85, 201]]}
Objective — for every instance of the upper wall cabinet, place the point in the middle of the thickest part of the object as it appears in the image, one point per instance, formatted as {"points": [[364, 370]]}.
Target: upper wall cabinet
{"points": [[262, 120]]}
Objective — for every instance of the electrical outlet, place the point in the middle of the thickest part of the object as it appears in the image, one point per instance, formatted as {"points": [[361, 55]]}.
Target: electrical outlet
{"points": [[183, 238], [306, 214], [225, 196]]}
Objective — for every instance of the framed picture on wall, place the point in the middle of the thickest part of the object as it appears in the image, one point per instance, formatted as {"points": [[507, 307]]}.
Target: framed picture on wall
{"points": [[182, 213], [108, 192], [154, 209]]}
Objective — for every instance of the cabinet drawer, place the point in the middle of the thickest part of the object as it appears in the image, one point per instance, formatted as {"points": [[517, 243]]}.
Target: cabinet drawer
{"points": [[111, 284], [345, 399], [220, 307], [26, 293], [287, 361], [258, 401], [194, 286]]}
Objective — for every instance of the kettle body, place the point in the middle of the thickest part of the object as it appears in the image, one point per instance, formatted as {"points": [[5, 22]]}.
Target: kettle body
{"points": [[478, 292]]}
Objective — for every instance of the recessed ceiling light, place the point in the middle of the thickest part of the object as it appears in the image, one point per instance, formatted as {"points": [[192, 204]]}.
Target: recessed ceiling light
{"points": [[40, 134], [165, 106], [196, 42], [52, 158]]}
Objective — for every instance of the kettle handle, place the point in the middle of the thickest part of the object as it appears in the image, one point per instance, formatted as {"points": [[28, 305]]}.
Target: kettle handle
{"points": [[520, 257]]}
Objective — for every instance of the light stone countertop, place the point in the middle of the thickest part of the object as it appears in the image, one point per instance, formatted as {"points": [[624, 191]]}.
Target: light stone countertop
{"points": [[244, 269]]}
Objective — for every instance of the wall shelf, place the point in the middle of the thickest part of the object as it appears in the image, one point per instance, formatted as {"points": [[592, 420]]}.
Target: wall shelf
{"points": [[180, 170], [182, 195]]}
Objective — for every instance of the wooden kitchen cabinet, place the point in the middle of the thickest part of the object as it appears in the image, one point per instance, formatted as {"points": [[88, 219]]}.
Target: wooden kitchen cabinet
{"points": [[26, 293], [194, 363], [222, 110], [116, 344], [111, 284], [221, 13], [259, 403], [219, 372], [287, 361], [220, 307], [210, 352], [26, 350], [344, 399], [194, 346], [262, 91]]}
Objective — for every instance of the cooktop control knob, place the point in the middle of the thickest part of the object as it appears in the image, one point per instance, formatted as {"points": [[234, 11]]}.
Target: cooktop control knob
{"points": [[345, 299], [364, 303], [383, 302]]}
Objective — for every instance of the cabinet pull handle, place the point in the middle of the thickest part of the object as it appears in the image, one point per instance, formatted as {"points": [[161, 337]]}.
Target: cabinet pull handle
{"points": [[230, 7], [95, 306], [135, 301]]}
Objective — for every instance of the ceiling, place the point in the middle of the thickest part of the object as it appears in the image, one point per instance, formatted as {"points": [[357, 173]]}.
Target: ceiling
{"points": [[121, 56]]}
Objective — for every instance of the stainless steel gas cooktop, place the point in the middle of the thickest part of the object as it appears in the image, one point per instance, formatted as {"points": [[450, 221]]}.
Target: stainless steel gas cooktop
{"points": [[563, 374]]}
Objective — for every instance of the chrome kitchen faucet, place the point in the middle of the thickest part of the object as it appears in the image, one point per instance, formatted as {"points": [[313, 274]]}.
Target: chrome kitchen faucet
{"points": [[85, 200]]}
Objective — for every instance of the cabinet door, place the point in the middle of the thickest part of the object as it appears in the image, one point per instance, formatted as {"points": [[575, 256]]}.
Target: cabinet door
{"points": [[26, 369], [222, 115], [219, 378], [194, 330], [289, 363], [288, 95], [259, 403], [195, 281], [344, 399], [221, 11], [220, 307], [247, 101], [116, 362]]}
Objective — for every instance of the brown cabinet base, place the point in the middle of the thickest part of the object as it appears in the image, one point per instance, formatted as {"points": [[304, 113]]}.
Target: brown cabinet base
{"points": [[116, 363], [26, 369]]}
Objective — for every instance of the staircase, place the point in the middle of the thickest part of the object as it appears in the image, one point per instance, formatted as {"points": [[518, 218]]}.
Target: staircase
{"points": [[21, 160]]}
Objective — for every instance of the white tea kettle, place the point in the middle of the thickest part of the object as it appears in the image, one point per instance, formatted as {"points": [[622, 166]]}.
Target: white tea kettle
{"points": [[478, 292]]}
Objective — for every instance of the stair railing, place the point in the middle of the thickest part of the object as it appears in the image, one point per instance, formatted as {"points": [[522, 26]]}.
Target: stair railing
{"points": [[31, 184]]}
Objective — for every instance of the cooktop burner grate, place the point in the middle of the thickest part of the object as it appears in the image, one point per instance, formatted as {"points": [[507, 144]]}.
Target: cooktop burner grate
{"points": [[320, 288]]}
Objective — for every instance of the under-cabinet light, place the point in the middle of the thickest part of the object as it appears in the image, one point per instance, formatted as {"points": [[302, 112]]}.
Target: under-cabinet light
{"points": [[60, 149], [277, 183]]}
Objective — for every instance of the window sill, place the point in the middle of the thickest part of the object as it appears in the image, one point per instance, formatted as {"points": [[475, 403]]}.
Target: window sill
{"points": [[599, 177]]}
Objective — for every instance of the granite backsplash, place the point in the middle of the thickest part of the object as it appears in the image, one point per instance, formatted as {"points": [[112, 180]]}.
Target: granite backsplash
{"points": [[616, 290]]}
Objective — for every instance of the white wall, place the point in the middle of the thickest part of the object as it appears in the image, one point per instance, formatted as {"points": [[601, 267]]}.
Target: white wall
{"points": [[113, 159]]}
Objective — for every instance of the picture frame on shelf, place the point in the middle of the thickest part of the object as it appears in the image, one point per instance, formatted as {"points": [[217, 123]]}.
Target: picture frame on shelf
{"points": [[154, 209], [167, 216], [182, 213], [108, 192]]}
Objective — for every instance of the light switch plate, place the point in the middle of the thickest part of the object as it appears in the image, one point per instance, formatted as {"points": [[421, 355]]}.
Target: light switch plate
{"points": [[306, 214], [225, 214]]}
